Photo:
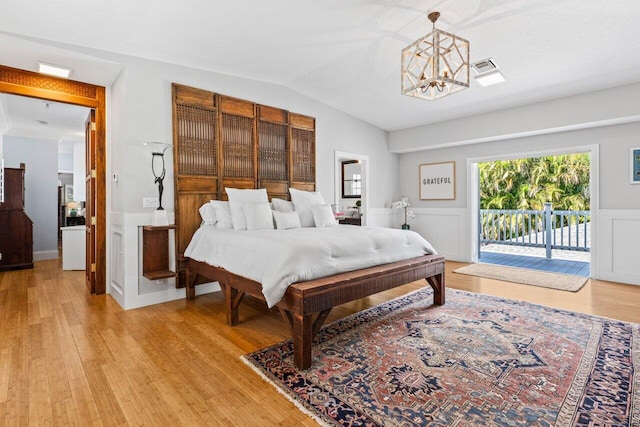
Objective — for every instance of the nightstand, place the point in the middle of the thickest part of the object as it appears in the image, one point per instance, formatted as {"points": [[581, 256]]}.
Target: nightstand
{"points": [[155, 252], [350, 221], [72, 221]]}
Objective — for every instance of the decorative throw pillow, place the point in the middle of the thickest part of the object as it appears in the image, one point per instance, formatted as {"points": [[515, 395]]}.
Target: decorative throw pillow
{"points": [[258, 216], [302, 201], [239, 197], [323, 216], [223, 214], [282, 205], [208, 214], [286, 220]]}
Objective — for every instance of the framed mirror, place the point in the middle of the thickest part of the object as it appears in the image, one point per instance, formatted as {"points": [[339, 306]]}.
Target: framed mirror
{"points": [[351, 179]]}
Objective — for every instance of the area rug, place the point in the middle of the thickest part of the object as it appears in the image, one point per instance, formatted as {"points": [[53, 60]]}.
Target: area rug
{"points": [[477, 360], [544, 279]]}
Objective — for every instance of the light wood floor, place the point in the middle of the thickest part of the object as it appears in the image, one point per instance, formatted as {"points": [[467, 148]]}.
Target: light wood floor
{"points": [[69, 358]]}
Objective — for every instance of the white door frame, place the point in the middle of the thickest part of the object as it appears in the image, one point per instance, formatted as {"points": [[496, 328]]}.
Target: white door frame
{"points": [[594, 181], [339, 157]]}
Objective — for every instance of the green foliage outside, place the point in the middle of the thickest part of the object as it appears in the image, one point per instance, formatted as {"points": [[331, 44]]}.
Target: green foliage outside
{"points": [[529, 183]]}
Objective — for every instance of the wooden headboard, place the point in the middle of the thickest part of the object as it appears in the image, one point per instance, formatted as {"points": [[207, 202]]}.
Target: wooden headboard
{"points": [[219, 142]]}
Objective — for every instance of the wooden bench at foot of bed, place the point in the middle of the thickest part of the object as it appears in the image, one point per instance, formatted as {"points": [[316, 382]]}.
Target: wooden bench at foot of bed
{"points": [[306, 305]]}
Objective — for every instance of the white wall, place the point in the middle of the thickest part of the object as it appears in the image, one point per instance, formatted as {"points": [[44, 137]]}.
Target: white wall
{"points": [[65, 162], [79, 166], [141, 111], [447, 223], [600, 107], [41, 189]]}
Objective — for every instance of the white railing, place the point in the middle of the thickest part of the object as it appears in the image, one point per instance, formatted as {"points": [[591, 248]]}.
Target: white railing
{"points": [[550, 229]]}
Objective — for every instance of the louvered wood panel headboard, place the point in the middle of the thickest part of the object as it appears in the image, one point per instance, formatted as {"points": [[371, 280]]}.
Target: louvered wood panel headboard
{"points": [[219, 142]]}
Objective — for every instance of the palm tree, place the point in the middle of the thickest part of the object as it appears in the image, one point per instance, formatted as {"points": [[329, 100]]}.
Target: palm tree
{"points": [[530, 183]]}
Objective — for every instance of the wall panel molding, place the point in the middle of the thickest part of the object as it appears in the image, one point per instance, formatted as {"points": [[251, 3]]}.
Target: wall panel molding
{"points": [[619, 245]]}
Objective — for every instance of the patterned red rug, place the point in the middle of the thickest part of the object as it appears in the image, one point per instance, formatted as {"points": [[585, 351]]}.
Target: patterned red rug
{"points": [[477, 360]]}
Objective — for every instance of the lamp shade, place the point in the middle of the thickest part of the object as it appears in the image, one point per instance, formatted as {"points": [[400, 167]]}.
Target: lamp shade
{"points": [[157, 148]]}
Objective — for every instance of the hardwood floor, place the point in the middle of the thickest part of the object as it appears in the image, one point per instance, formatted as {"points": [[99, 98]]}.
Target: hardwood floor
{"points": [[69, 358]]}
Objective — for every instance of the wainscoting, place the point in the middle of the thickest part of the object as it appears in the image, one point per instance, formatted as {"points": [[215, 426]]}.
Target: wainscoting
{"points": [[618, 251], [126, 283], [445, 229], [615, 258]]}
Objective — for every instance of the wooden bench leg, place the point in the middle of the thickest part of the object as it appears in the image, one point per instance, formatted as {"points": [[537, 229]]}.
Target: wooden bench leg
{"points": [[190, 285], [302, 340], [437, 283], [232, 300]]}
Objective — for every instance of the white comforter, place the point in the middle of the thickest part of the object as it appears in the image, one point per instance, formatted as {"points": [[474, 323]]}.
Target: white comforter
{"points": [[278, 258]]}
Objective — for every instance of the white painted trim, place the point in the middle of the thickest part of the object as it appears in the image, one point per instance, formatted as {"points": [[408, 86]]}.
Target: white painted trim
{"points": [[473, 185], [4, 117], [381, 217], [568, 128], [110, 217], [428, 223], [608, 247], [339, 156], [167, 295]]}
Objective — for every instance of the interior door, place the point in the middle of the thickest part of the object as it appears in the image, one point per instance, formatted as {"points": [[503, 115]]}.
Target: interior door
{"points": [[91, 202]]}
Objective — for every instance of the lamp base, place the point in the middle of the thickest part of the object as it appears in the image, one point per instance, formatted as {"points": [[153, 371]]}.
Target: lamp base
{"points": [[160, 217]]}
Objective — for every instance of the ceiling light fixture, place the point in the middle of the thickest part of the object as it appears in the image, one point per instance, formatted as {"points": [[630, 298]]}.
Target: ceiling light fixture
{"points": [[54, 70], [435, 65]]}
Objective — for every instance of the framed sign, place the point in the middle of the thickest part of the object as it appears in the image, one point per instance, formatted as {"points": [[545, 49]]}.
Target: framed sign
{"points": [[635, 165], [438, 181]]}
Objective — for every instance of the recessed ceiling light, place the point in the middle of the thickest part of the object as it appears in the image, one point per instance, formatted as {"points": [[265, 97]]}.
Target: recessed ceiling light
{"points": [[53, 70], [490, 78]]}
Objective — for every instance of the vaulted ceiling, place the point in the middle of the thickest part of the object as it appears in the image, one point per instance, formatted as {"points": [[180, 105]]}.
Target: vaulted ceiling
{"points": [[345, 53]]}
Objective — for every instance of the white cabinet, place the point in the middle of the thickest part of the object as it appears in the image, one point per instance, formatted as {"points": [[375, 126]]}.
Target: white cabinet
{"points": [[73, 247]]}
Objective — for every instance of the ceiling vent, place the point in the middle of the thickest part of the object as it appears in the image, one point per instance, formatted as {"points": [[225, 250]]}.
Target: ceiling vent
{"points": [[484, 66]]}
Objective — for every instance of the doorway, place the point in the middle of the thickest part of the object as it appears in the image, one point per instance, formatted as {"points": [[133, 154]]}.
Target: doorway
{"points": [[515, 228], [351, 187], [34, 85]]}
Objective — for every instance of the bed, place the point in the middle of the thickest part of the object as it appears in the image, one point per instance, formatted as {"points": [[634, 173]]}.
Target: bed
{"points": [[222, 142], [304, 272]]}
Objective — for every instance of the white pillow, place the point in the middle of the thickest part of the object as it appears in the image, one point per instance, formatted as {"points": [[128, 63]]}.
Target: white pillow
{"points": [[302, 201], [208, 214], [286, 220], [258, 216], [323, 216], [239, 197], [282, 205], [223, 214]]}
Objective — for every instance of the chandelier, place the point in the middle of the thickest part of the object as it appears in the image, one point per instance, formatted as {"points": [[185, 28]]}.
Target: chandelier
{"points": [[436, 65]]}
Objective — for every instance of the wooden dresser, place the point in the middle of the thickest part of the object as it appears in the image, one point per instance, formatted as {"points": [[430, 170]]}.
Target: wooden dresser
{"points": [[16, 228]]}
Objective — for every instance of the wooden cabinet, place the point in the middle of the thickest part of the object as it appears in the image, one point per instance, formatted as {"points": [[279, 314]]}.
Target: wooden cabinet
{"points": [[155, 252], [74, 249], [350, 221], [16, 228], [72, 221]]}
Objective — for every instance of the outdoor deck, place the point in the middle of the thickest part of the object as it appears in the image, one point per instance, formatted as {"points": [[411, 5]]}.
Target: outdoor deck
{"points": [[568, 266]]}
